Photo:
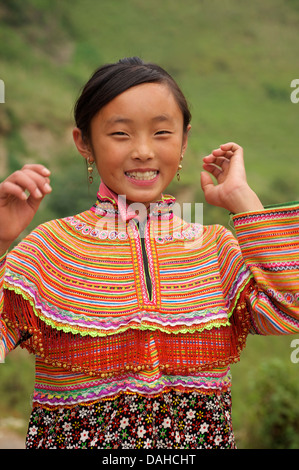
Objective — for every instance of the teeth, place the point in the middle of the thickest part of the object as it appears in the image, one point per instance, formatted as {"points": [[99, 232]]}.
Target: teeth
{"points": [[142, 175]]}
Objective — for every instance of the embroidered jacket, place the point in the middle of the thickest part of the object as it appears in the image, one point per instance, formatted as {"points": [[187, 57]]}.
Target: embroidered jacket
{"points": [[109, 308]]}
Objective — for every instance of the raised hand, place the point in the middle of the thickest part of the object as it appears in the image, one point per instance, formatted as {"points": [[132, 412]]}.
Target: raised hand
{"points": [[20, 196], [231, 189]]}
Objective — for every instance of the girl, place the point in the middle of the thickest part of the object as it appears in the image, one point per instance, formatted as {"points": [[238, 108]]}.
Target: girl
{"points": [[135, 315]]}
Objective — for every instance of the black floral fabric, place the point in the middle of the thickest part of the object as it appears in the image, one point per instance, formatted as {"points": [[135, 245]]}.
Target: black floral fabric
{"points": [[172, 420]]}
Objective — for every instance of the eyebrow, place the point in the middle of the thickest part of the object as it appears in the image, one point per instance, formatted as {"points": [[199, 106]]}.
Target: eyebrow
{"points": [[124, 120], [163, 118], [119, 120]]}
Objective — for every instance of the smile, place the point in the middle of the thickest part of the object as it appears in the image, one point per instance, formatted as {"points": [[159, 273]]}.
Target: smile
{"points": [[142, 175]]}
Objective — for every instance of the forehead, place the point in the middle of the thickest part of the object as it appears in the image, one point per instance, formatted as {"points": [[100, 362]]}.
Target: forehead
{"points": [[153, 100]]}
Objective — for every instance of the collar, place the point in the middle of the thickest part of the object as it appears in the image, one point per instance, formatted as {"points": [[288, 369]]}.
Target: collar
{"points": [[110, 203]]}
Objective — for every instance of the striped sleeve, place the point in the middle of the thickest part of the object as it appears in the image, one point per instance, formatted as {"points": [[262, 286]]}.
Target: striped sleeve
{"points": [[269, 243], [8, 337]]}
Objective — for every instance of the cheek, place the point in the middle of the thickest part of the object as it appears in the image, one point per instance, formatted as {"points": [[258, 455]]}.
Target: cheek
{"points": [[171, 151], [106, 156], [173, 157]]}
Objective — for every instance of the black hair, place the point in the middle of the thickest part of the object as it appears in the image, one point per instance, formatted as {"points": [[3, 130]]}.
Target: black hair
{"points": [[110, 80]]}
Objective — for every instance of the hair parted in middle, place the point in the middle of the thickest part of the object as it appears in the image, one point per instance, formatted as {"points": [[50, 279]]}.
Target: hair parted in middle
{"points": [[110, 80]]}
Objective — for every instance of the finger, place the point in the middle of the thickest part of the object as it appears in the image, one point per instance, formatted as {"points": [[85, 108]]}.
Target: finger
{"points": [[38, 172], [8, 188], [42, 182], [41, 169], [40, 175], [208, 187], [30, 181], [206, 181], [216, 160], [231, 146], [213, 169], [228, 154]]}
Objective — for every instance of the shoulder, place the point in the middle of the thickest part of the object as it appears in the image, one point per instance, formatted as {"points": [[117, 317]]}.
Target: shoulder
{"points": [[206, 236], [66, 225], [50, 236]]}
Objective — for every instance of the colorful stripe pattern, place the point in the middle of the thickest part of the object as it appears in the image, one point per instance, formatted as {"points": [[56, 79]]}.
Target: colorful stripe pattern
{"points": [[57, 387], [272, 256], [8, 337], [76, 287]]}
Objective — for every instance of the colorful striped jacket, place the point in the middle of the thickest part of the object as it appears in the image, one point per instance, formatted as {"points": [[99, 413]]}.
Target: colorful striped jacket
{"points": [[107, 310]]}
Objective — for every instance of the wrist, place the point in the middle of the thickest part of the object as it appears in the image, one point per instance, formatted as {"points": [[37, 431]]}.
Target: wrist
{"points": [[243, 200]]}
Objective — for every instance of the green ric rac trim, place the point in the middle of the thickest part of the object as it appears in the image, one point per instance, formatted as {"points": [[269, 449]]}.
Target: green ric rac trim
{"points": [[66, 394], [95, 333], [285, 204]]}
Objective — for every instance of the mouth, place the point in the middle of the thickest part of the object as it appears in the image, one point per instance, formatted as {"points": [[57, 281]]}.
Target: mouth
{"points": [[147, 175]]}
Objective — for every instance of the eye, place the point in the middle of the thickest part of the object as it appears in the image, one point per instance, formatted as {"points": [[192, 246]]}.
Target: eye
{"points": [[119, 134], [163, 132]]}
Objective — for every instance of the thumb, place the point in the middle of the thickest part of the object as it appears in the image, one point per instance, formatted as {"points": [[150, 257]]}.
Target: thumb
{"points": [[208, 188], [34, 202], [206, 182]]}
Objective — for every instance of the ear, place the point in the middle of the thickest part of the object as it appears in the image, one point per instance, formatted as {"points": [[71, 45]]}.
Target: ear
{"points": [[185, 139], [82, 145]]}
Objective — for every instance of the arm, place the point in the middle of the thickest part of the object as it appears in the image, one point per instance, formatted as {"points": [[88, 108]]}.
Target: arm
{"points": [[8, 336], [260, 269], [2, 326], [269, 241], [16, 212]]}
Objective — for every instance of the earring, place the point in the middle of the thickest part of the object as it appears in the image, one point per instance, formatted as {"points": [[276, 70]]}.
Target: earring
{"points": [[179, 169], [178, 172], [90, 170]]}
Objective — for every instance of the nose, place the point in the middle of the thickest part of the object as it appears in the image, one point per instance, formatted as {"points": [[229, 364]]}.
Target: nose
{"points": [[143, 150]]}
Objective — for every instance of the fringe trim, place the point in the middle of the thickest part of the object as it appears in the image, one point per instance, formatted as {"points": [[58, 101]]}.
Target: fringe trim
{"points": [[132, 350], [76, 328]]}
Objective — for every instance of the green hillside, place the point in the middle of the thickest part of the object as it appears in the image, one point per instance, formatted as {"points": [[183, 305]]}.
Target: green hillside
{"points": [[235, 61]]}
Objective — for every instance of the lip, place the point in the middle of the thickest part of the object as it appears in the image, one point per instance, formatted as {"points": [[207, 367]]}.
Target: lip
{"points": [[141, 170], [144, 182]]}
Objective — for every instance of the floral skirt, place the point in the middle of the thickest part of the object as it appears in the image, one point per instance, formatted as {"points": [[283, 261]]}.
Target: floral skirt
{"points": [[172, 420]]}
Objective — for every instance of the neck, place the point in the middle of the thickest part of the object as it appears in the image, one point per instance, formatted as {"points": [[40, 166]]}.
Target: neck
{"points": [[131, 210]]}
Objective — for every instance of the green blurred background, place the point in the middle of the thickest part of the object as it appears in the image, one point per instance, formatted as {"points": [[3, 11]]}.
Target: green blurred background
{"points": [[235, 61]]}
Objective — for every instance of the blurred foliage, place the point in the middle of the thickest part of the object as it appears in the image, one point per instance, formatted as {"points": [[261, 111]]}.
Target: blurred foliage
{"points": [[234, 61], [274, 423], [16, 385]]}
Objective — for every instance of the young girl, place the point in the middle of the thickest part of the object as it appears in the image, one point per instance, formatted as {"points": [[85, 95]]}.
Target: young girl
{"points": [[134, 316]]}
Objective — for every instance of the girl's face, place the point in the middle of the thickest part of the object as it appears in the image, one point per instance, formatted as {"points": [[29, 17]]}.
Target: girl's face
{"points": [[137, 141]]}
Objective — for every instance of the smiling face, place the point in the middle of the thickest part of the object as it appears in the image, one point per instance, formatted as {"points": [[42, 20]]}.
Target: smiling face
{"points": [[137, 141]]}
